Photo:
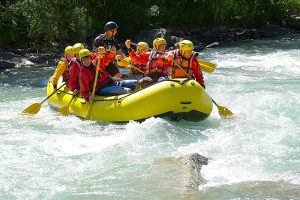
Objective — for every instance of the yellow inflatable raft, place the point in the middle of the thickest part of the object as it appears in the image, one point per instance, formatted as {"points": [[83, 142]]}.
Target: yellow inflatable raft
{"points": [[177, 99]]}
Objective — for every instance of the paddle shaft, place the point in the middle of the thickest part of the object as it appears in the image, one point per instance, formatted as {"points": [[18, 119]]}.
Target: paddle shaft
{"points": [[53, 93], [215, 103], [96, 75]]}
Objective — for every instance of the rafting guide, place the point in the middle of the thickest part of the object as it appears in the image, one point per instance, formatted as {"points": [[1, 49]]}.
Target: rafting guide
{"points": [[110, 43]]}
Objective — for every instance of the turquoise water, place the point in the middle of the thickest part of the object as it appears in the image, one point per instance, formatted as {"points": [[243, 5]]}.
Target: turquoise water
{"points": [[255, 156]]}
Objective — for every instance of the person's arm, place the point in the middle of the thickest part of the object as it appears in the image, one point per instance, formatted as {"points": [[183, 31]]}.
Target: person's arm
{"points": [[197, 72], [144, 58], [61, 67], [107, 58], [134, 56]]}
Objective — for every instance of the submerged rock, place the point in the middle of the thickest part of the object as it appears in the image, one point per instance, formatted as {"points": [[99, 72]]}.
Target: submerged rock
{"points": [[183, 173], [191, 165]]}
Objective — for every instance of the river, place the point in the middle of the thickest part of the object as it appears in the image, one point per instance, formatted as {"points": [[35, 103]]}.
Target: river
{"points": [[254, 156]]}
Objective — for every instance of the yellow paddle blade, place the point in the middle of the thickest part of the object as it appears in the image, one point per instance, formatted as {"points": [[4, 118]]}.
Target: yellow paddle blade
{"points": [[33, 109], [64, 110], [225, 112], [124, 62], [207, 66]]}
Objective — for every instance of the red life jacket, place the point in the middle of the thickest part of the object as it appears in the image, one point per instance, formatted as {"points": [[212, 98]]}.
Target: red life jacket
{"points": [[186, 65], [103, 78], [153, 64]]}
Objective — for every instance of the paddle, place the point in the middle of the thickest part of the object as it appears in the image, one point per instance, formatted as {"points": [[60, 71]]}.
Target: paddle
{"points": [[88, 116], [223, 111], [35, 108], [207, 66], [65, 111], [123, 62]]}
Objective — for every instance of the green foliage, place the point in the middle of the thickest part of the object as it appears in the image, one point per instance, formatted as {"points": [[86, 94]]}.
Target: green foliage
{"points": [[54, 20], [42, 23], [12, 26]]}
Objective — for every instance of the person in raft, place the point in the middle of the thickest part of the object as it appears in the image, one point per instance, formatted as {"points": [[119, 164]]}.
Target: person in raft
{"points": [[136, 64], [75, 69], [187, 59], [105, 85], [108, 41], [63, 66], [157, 66]]}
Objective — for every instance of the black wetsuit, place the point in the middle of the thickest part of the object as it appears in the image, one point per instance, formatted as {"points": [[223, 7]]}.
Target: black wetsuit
{"points": [[109, 45]]}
